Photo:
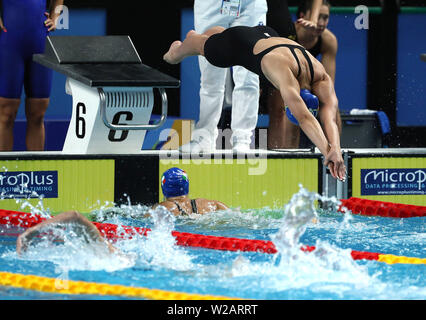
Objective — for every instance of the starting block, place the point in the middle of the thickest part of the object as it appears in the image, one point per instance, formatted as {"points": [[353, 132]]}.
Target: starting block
{"points": [[112, 92]]}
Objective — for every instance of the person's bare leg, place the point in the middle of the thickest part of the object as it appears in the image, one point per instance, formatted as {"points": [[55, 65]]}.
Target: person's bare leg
{"points": [[35, 110], [8, 110], [282, 133], [193, 45]]}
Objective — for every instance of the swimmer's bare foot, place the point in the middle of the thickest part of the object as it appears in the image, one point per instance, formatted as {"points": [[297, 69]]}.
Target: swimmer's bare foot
{"points": [[190, 33], [191, 46], [171, 56]]}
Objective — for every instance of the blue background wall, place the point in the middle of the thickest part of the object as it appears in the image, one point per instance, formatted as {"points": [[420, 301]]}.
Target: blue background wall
{"points": [[411, 76], [351, 66], [351, 61]]}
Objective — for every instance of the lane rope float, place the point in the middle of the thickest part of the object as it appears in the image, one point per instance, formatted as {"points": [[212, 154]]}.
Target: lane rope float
{"points": [[59, 286], [113, 231], [383, 209]]}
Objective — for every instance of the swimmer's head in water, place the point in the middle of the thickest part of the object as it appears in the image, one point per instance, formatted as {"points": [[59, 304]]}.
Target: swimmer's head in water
{"points": [[174, 183], [311, 102]]}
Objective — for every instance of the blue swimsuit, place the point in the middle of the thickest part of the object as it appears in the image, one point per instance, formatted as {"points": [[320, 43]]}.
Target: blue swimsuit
{"points": [[25, 36]]}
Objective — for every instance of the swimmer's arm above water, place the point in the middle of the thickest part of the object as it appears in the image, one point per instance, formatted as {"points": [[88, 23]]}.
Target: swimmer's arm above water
{"points": [[63, 218]]}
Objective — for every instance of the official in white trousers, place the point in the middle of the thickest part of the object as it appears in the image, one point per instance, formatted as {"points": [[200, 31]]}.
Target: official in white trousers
{"points": [[245, 95]]}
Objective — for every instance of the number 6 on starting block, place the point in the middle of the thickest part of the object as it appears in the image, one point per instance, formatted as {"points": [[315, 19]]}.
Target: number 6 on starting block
{"points": [[109, 119]]}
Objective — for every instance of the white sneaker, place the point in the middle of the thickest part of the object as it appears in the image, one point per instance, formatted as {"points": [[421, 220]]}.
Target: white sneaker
{"points": [[241, 147], [196, 147]]}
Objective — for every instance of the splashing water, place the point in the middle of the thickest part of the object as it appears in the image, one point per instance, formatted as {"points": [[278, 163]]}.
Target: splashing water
{"points": [[328, 271], [116, 214], [298, 214], [159, 248], [291, 268], [76, 252], [68, 247], [38, 209]]}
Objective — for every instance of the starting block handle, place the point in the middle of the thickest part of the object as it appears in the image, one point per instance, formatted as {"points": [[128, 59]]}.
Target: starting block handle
{"points": [[164, 106]]}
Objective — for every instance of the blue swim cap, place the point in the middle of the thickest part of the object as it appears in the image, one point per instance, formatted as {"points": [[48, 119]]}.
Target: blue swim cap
{"points": [[311, 102], [174, 183]]}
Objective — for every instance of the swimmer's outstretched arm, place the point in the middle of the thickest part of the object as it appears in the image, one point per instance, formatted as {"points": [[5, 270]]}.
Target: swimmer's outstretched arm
{"points": [[328, 113], [283, 78], [62, 218]]}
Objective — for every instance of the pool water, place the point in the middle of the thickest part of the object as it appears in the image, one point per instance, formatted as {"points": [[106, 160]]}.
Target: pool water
{"points": [[155, 261]]}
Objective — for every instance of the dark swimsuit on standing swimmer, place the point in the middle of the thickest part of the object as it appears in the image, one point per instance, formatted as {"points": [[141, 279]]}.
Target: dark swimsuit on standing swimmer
{"points": [[26, 35], [316, 49], [234, 46]]}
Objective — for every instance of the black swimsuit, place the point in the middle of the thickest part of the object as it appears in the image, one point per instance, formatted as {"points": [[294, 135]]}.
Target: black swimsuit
{"points": [[183, 212], [292, 48], [316, 49], [234, 46]]}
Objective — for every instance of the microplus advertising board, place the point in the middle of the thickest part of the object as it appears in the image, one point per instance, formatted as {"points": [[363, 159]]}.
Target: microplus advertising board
{"points": [[32, 184], [393, 181]]}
